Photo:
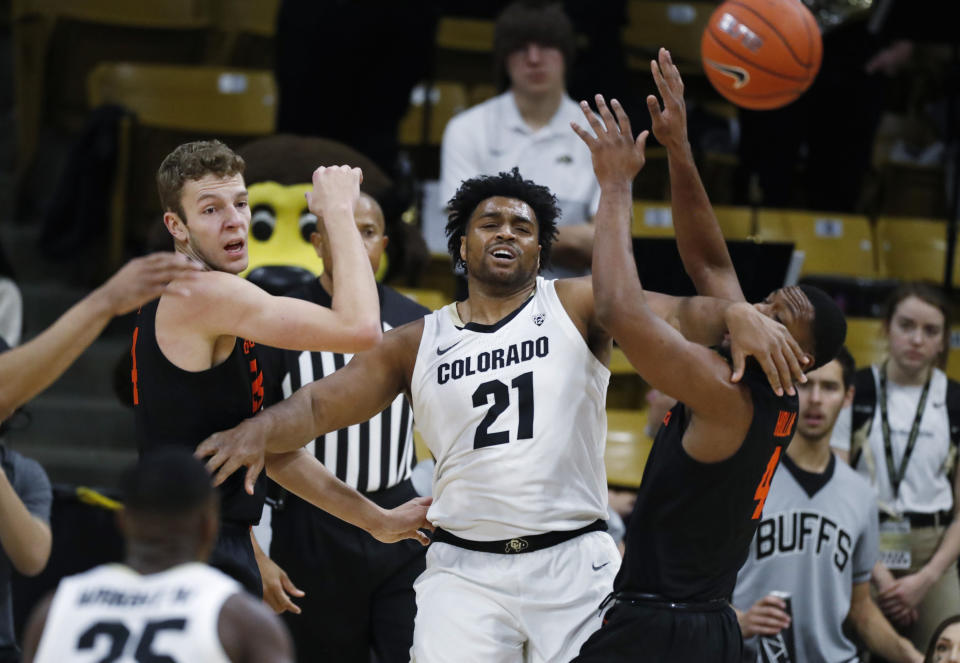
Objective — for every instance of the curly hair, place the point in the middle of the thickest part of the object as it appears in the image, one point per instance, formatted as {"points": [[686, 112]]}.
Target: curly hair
{"points": [[193, 161], [474, 191]]}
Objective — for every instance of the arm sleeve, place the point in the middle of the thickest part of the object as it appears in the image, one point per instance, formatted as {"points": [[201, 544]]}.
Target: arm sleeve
{"points": [[33, 487], [840, 438], [865, 552]]}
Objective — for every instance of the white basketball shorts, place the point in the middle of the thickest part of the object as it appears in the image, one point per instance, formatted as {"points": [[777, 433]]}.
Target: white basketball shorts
{"points": [[536, 607]]}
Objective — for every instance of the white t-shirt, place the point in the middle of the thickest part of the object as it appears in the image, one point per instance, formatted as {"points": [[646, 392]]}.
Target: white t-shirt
{"points": [[925, 487], [114, 613], [514, 415], [492, 137]]}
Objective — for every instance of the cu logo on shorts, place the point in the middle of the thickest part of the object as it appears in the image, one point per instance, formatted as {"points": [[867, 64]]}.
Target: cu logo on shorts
{"points": [[516, 545]]}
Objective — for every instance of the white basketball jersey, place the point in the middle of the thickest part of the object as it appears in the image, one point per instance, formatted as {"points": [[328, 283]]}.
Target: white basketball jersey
{"points": [[514, 415], [112, 613]]}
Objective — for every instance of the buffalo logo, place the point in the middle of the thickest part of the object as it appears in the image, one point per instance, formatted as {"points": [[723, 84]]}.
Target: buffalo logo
{"points": [[515, 546], [740, 75], [538, 318]]}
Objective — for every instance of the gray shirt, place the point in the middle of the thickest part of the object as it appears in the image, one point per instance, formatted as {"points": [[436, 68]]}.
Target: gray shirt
{"points": [[817, 537], [32, 486]]}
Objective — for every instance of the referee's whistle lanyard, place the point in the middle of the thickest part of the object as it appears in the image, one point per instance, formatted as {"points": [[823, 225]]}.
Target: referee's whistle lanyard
{"points": [[896, 473]]}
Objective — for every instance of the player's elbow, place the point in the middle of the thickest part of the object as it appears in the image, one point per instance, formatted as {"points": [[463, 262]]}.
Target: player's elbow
{"points": [[366, 335], [32, 560]]}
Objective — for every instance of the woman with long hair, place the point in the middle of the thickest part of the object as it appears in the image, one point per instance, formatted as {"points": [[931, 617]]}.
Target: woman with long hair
{"points": [[945, 643], [904, 448]]}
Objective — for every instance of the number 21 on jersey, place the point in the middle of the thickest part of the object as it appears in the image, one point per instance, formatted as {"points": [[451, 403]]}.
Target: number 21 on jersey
{"points": [[501, 393]]}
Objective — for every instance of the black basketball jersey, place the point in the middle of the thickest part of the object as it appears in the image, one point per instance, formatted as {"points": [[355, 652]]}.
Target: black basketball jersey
{"points": [[370, 456], [692, 524], [174, 406]]}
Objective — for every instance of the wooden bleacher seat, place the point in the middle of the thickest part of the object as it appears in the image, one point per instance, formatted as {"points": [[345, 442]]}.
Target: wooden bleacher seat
{"points": [[243, 33], [58, 42], [833, 244], [655, 219], [677, 26], [866, 340], [172, 104], [913, 249], [628, 447], [456, 33], [432, 299], [430, 110]]}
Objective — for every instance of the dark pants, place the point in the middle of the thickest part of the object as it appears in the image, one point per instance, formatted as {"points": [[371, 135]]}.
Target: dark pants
{"points": [[653, 633], [233, 555], [359, 592]]}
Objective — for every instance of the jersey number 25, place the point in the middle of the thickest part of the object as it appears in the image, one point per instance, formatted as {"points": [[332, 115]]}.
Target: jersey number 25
{"points": [[118, 635]]}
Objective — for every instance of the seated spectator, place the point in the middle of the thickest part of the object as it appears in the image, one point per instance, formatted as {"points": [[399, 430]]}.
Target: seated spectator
{"points": [[945, 644], [25, 539], [900, 434], [817, 541], [528, 126]]}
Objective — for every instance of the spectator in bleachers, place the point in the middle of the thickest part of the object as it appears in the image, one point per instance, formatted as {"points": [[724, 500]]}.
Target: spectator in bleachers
{"points": [[945, 643], [528, 126], [901, 434], [25, 538], [817, 540]]}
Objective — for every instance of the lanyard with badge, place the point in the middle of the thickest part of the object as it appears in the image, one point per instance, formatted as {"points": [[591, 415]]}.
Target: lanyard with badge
{"points": [[895, 532]]}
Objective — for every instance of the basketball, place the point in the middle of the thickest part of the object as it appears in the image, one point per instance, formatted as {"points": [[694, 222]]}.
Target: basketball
{"points": [[761, 54]]}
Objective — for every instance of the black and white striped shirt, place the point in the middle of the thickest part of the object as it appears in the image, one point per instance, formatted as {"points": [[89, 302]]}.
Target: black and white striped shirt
{"points": [[376, 454]]}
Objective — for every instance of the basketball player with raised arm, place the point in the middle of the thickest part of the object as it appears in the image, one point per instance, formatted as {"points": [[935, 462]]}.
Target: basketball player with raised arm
{"points": [[195, 369], [163, 603], [710, 467], [508, 389]]}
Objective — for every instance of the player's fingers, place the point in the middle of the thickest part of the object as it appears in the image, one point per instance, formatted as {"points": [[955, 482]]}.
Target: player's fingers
{"points": [[658, 79], [773, 374], [783, 371], [642, 142], [421, 538], [796, 371], [289, 587], [609, 123], [623, 120], [250, 480], [592, 119], [285, 604], [774, 601], [228, 466], [739, 363], [584, 135], [653, 106]]}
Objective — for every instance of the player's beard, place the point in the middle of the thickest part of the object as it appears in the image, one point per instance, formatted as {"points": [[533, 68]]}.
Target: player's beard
{"points": [[507, 282]]}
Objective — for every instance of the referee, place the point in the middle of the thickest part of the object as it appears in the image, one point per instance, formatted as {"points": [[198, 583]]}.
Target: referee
{"points": [[359, 592]]}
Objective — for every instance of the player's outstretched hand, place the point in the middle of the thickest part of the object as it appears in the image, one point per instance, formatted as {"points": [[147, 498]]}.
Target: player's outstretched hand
{"points": [[277, 587], [229, 450], [765, 617], [334, 186], [144, 279], [405, 522], [617, 157], [670, 122], [753, 334]]}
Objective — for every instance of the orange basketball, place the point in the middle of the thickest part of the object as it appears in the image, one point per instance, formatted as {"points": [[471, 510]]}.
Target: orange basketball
{"points": [[761, 54]]}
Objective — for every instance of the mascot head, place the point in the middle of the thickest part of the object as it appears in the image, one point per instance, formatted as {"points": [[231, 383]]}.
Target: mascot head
{"points": [[285, 238]]}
